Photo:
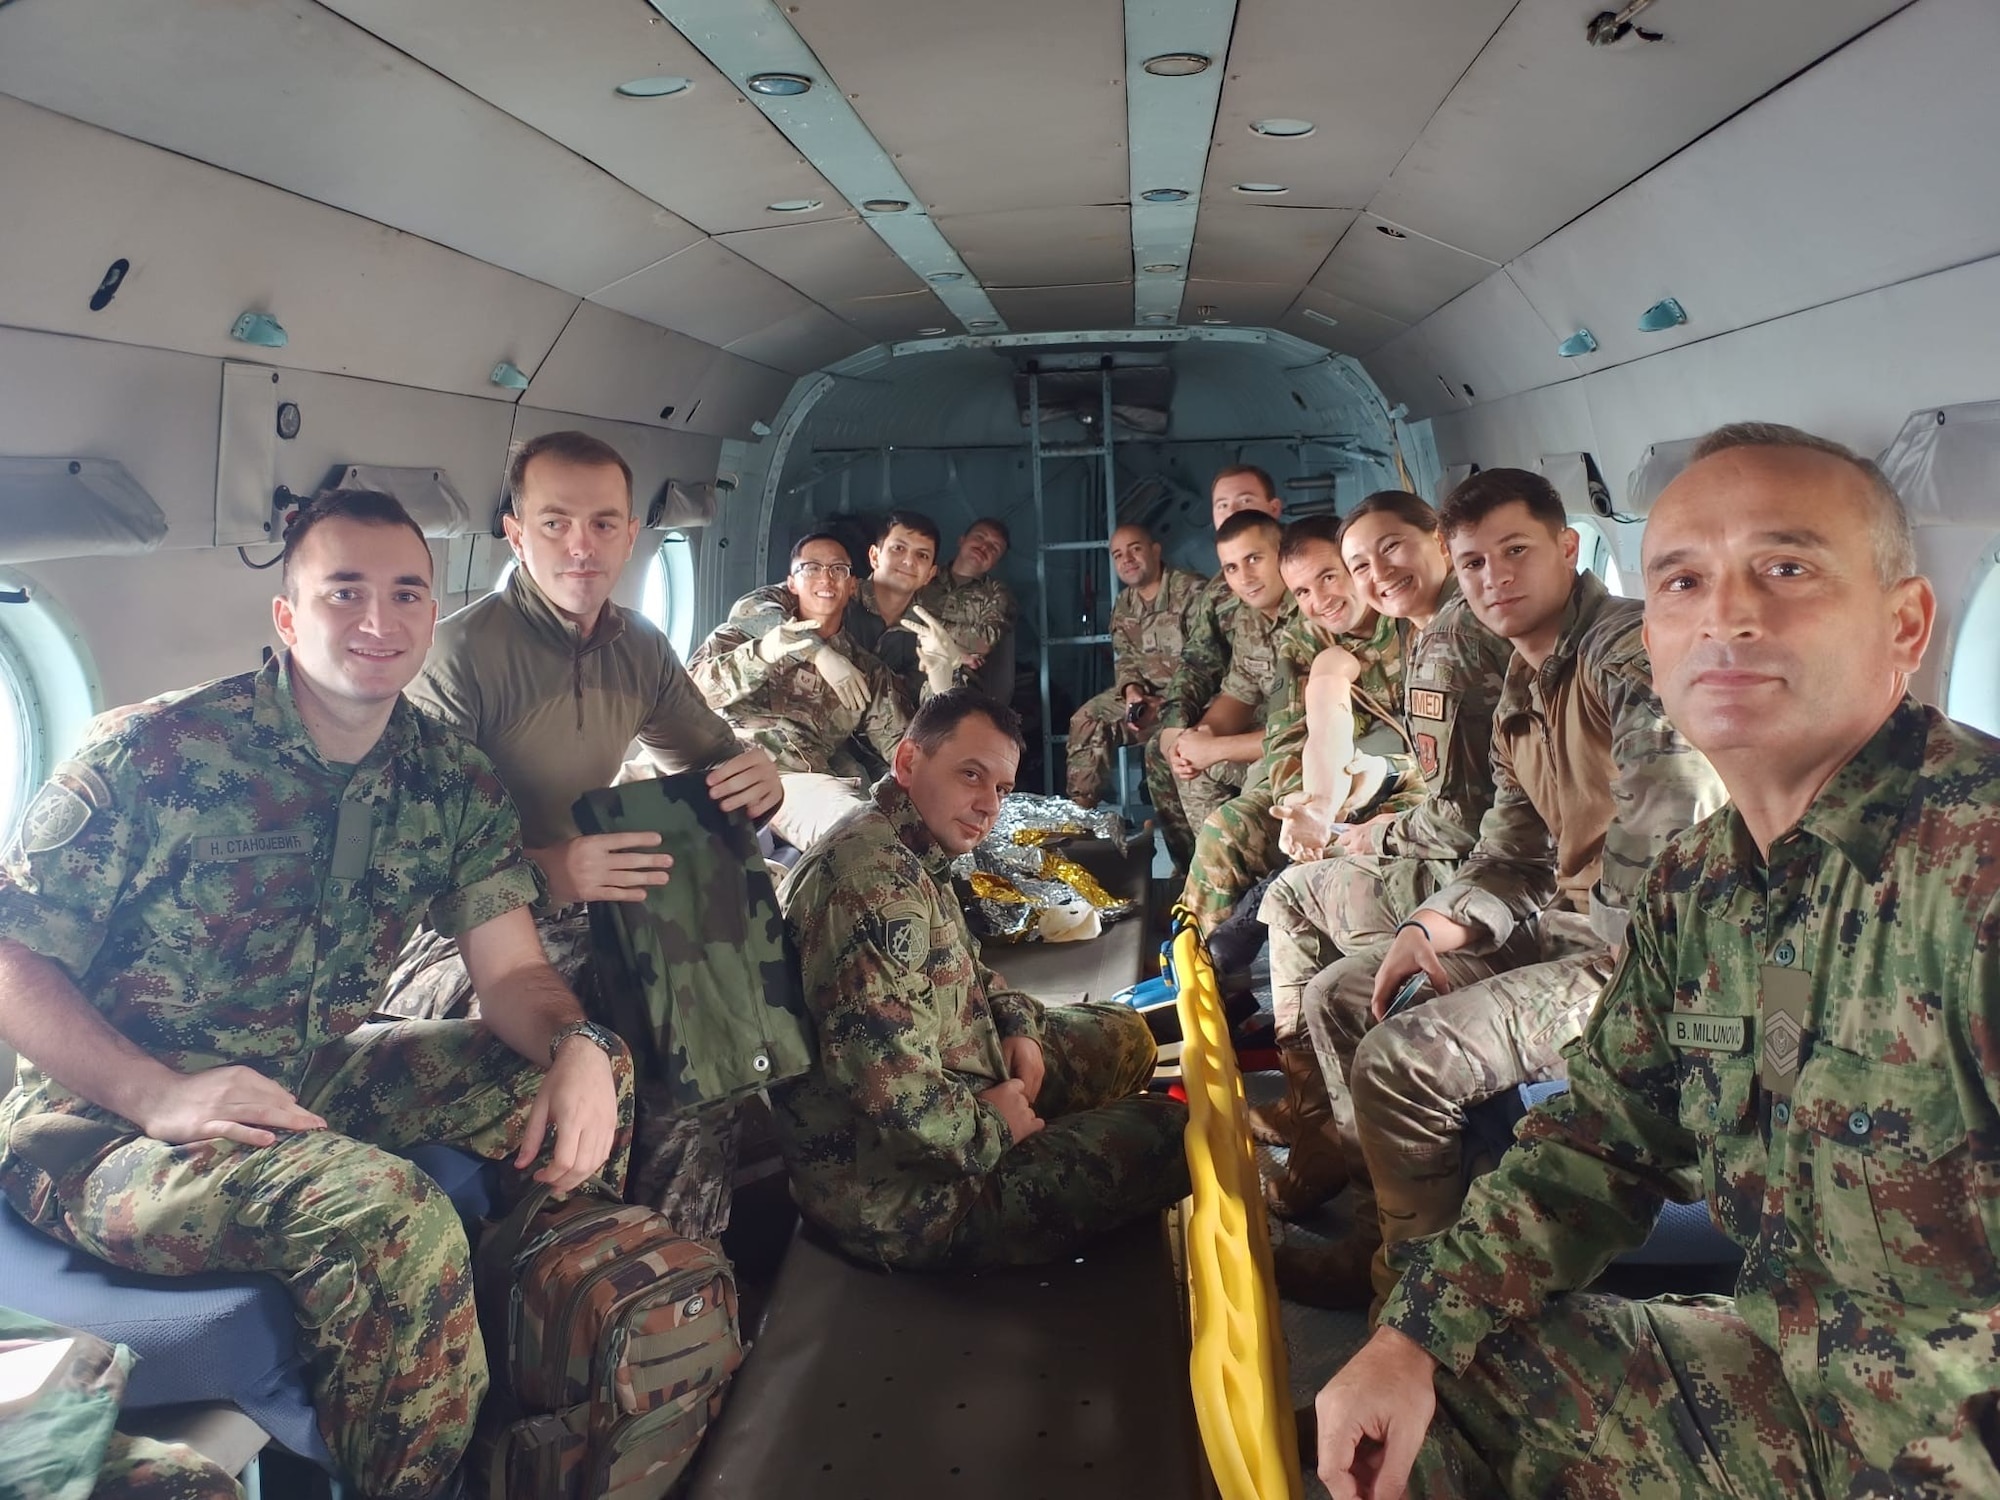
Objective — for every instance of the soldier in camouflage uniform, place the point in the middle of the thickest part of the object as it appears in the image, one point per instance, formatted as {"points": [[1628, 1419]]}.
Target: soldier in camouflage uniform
{"points": [[807, 693], [978, 609], [949, 1120], [1197, 681], [1590, 782], [1148, 622], [1804, 1030], [553, 681], [195, 924]]}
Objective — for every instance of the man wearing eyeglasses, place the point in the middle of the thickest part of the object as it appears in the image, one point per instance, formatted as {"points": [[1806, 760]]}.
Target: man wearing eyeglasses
{"points": [[806, 692]]}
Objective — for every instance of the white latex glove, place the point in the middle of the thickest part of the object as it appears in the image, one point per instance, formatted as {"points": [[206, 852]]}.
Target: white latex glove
{"points": [[937, 653], [788, 639], [849, 682]]}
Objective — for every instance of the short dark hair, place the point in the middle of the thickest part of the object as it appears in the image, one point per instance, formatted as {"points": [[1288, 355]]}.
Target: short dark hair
{"points": [[1246, 520], [370, 507], [1895, 540], [1306, 531], [799, 547], [1411, 510], [1490, 489], [911, 520], [1006, 536], [570, 447], [939, 717], [1239, 471]]}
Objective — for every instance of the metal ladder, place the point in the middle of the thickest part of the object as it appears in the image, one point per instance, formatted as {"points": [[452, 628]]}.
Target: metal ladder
{"points": [[1041, 455]]}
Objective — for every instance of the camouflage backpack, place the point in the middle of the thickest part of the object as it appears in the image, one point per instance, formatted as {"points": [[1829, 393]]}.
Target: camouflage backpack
{"points": [[701, 978], [610, 1339]]}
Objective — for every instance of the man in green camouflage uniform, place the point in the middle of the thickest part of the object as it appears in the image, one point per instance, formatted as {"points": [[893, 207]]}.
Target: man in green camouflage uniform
{"points": [[1148, 623], [196, 920], [950, 1121], [1804, 1030], [1590, 782], [554, 681], [978, 609], [1197, 681]]}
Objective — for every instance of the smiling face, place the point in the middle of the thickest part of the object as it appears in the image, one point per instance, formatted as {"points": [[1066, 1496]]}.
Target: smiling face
{"points": [[1318, 579], [359, 614], [1250, 567], [1234, 492], [1136, 557], [573, 530], [979, 551], [957, 788], [1774, 641], [1398, 566], [903, 559], [822, 580], [1516, 573]]}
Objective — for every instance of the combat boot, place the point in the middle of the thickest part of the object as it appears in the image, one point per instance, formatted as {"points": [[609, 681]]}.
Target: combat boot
{"points": [[1316, 1169], [1336, 1275]]}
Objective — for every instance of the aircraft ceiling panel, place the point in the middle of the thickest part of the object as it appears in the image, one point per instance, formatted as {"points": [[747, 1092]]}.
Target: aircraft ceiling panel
{"points": [[736, 392], [984, 107], [805, 341], [890, 320], [1402, 278], [1059, 246], [1544, 125], [835, 262], [704, 152], [707, 292], [1056, 309], [354, 298], [1354, 329], [1260, 243], [1244, 304], [319, 107], [1489, 339], [610, 365], [1367, 74]]}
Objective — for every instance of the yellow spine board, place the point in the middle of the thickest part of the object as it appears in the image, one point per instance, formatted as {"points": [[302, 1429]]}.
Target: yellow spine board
{"points": [[1238, 1371]]}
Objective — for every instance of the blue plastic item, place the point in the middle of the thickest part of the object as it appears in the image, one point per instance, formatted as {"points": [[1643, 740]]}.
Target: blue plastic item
{"points": [[1154, 991]]}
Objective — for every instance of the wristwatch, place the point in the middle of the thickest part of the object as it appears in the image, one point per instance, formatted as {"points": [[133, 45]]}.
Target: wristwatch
{"points": [[595, 1033]]}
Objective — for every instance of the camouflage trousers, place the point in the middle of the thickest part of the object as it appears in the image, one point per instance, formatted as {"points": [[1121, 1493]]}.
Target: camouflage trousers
{"points": [[369, 1247], [1601, 1398], [1183, 806], [1096, 730], [138, 1468], [1236, 847], [682, 1165], [1411, 1079], [1107, 1154]]}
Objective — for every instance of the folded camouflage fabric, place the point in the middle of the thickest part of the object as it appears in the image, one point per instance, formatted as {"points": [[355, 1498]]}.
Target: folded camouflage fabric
{"points": [[52, 1443], [700, 978]]}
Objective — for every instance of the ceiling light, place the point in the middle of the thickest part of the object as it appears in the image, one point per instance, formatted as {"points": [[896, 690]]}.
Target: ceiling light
{"points": [[1282, 129], [1165, 195], [984, 323], [1215, 320], [931, 333], [1260, 187], [884, 205], [794, 206], [1319, 317], [1392, 231], [654, 88], [1177, 64], [1157, 318], [1162, 267], [778, 85], [946, 276]]}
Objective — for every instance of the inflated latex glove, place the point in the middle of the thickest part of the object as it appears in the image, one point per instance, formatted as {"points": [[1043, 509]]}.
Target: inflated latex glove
{"points": [[789, 639], [937, 653], [849, 682]]}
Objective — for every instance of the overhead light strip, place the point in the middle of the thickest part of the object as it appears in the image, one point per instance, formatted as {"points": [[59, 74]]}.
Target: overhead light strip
{"points": [[1170, 120], [748, 39]]}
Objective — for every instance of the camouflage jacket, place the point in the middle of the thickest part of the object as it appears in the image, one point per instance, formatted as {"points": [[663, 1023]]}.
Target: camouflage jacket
{"points": [[1378, 707], [1811, 1042], [1146, 638], [979, 610], [886, 1139], [222, 893], [1589, 780], [789, 709], [1229, 648], [760, 611], [1451, 685]]}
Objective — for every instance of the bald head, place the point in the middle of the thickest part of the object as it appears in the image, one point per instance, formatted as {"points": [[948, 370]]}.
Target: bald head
{"points": [[1136, 557]]}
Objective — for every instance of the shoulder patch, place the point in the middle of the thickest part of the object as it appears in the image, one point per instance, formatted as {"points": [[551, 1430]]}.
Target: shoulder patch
{"points": [[902, 929], [62, 809]]}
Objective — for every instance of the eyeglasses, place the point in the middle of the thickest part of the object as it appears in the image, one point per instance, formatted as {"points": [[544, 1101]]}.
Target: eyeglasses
{"points": [[835, 571]]}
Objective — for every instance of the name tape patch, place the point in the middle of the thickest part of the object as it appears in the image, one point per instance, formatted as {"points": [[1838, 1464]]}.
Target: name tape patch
{"points": [[250, 845], [1425, 703], [1706, 1033]]}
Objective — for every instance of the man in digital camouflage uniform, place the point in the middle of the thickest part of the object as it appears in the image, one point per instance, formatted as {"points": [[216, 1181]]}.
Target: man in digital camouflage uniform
{"points": [[1590, 783], [1148, 624], [1207, 645], [806, 692], [978, 609], [949, 1120], [554, 681], [196, 921], [1804, 1029]]}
